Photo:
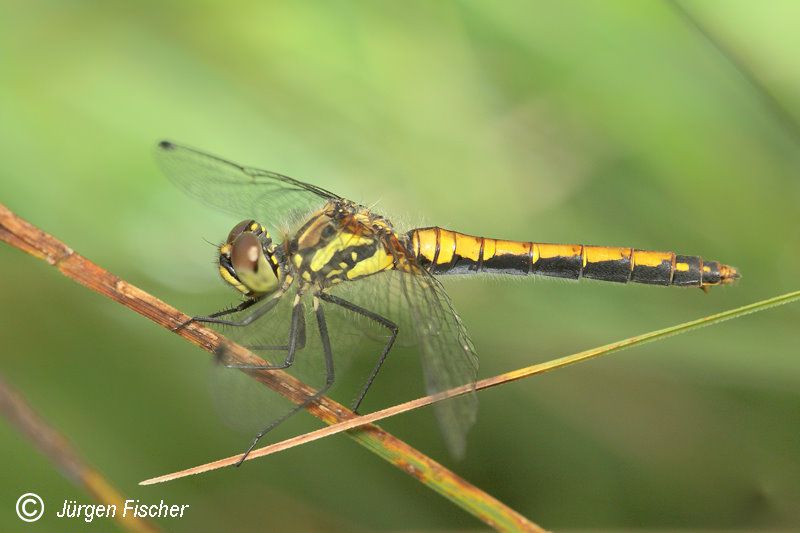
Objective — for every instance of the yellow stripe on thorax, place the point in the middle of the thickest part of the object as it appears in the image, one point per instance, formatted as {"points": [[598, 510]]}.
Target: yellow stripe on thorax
{"points": [[378, 262], [342, 241]]}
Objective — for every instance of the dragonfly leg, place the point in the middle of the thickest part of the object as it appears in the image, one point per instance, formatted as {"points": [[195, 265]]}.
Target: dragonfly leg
{"points": [[385, 322], [246, 321], [301, 340], [209, 318], [297, 341], [329, 379]]}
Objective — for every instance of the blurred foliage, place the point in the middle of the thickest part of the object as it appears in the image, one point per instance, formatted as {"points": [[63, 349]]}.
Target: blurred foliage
{"points": [[582, 121]]}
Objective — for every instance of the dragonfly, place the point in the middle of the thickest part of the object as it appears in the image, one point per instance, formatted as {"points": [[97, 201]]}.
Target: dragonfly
{"points": [[336, 242]]}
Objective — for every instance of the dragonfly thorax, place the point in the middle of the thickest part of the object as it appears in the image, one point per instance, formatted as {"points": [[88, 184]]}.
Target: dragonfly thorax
{"points": [[343, 242], [247, 260]]}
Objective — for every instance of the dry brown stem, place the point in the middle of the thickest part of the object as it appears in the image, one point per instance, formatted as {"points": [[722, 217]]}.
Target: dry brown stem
{"points": [[36, 242]]}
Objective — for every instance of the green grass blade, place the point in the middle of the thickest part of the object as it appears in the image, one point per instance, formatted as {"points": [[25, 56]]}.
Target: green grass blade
{"points": [[353, 425]]}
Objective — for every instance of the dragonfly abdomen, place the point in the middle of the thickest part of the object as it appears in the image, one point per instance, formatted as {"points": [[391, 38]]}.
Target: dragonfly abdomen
{"points": [[449, 252]]}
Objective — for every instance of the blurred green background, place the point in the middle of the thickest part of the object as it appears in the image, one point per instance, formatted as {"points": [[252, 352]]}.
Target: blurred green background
{"points": [[611, 123]]}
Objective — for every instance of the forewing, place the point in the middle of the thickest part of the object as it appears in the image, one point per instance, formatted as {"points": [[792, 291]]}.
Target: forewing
{"points": [[448, 356], [249, 192]]}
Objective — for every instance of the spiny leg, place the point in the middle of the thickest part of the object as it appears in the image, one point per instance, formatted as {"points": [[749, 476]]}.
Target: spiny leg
{"points": [[329, 379], [241, 307], [249, 319], [301, 341], [297, 340], [385, 322]]}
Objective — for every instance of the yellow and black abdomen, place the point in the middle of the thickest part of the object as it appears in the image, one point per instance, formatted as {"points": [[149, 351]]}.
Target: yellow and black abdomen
{"points": [[448, 252]]}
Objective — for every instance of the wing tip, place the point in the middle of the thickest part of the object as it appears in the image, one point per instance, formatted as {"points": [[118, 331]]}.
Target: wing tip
{"points": [[166, 145]]}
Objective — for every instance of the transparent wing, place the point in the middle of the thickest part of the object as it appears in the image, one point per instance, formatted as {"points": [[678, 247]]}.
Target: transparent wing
{"points": [[417, 303], [249, 192], [382, 294], [448, 356], [421, 308]]}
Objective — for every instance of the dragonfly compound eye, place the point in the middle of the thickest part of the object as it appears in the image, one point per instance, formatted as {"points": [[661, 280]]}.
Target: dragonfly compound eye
{"points": [[252, 267], [245, 253], [238, 229]]}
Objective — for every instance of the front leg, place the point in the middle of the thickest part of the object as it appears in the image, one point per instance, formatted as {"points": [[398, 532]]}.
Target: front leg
{"points": [[249, 319], [297, 341], [329, 379], [210, 318]]}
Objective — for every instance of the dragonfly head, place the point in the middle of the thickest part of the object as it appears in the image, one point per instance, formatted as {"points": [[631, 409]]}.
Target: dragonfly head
{"points": [[247, 260]]}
